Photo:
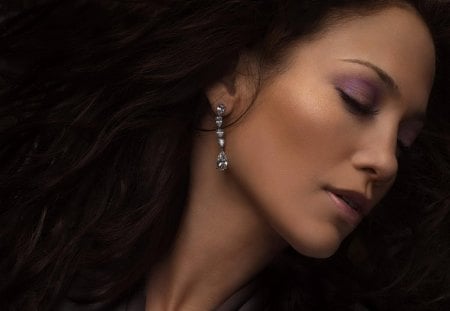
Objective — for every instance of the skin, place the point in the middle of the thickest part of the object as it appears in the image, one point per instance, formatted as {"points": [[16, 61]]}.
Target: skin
{"points": [[298, 139]]}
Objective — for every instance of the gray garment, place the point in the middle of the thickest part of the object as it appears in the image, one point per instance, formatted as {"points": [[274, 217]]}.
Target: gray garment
{"points": [[245, 299]]}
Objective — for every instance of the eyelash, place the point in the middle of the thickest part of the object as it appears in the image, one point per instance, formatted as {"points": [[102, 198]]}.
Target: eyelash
{"points": [[355, 107]]}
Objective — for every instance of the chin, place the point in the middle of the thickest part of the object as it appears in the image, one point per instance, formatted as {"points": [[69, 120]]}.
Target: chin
{"points": [[320, 246], [318, 252]]}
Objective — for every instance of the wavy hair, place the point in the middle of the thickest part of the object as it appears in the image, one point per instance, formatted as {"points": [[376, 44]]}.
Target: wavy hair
{"points": [[99, 101]]}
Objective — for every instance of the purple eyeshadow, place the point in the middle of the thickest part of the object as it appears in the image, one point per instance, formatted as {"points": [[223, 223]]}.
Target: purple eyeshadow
{"points": [[359, 89], [408, 132]]}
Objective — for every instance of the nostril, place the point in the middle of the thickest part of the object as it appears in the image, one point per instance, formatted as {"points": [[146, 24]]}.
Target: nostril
{"points": [[370, 170]]}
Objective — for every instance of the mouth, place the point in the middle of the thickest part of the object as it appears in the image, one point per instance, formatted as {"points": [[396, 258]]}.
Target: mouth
{"points": [[354, 199], [353, 205]]}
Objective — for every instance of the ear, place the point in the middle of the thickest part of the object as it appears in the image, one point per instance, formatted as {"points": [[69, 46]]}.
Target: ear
{"points": [[223, 92], [235, 91]]}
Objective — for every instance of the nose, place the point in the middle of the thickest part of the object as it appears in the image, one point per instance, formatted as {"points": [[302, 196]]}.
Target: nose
{"points": [[377, 158]]}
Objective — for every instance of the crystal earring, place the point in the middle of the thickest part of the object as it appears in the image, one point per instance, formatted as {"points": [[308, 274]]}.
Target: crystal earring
{"points": [[222, 160]]}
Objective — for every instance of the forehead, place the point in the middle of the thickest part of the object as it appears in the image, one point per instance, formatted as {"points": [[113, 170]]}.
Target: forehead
{"points": [[395, 39]]}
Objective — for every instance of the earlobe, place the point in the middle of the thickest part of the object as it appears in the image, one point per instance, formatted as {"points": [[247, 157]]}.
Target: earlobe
{"points": [[224, 92]]}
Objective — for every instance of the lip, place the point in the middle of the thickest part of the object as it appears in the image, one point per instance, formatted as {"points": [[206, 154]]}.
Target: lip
{"points": [[361, 205]]}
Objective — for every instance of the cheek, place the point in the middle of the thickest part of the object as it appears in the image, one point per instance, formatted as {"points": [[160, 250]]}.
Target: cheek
{"points": [[307, 125], [279, 153], [290, 137], [287, 131]]}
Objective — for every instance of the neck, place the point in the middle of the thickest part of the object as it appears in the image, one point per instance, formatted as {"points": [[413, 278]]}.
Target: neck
{"points": [[222, 243]]}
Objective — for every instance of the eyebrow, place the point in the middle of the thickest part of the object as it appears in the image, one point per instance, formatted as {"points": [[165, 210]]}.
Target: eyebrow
{"points": [[388, 81], [383, 75]]}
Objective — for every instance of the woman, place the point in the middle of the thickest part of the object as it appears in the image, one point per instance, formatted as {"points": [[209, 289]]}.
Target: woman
{"points": [[201, 155]]}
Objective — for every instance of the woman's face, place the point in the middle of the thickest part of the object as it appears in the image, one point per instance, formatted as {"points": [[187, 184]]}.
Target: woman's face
{"points": [[327, 129]]}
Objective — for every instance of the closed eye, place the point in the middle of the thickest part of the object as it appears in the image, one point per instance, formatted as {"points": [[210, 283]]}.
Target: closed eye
{"points": [[401, 148], [355, 107]]}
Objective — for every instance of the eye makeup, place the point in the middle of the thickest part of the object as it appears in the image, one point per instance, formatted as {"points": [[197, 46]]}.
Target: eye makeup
{"points": [[401, 148], [360, 94], [362, 97], [409, 131]]}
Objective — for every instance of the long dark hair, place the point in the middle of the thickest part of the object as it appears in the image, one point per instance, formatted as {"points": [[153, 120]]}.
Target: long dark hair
{"points": [[98, 104]]}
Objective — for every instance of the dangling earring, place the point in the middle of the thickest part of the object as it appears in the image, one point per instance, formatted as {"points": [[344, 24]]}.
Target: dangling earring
{"points": [[222, 160]]}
